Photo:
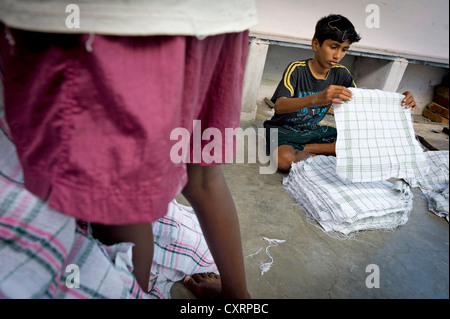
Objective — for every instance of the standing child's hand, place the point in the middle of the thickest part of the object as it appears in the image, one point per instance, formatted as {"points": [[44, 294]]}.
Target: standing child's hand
{"points": [[408, 101]]}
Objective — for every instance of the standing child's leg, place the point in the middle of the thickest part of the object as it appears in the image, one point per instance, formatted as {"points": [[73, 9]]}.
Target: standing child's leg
{"points": [[141, 235], [208, 193]]}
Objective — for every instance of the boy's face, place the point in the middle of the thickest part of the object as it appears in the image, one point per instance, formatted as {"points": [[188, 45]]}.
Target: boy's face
{"points": [[330, 52]]}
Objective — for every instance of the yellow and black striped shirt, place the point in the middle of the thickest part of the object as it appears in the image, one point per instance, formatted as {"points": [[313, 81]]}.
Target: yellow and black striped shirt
{"points": [[298, 81]]}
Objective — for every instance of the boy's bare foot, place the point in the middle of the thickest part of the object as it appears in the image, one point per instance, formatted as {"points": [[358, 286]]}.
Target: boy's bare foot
{"points": [[204, 286]]}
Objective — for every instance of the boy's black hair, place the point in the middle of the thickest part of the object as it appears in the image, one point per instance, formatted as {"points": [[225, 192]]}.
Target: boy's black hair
{"points": [[336, 27]]}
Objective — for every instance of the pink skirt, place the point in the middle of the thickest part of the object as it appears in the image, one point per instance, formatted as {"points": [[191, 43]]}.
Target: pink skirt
{"points": [[96, 130]]}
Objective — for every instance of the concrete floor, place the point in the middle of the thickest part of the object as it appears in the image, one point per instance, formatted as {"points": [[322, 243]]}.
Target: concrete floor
{"points": [[413, 260]]}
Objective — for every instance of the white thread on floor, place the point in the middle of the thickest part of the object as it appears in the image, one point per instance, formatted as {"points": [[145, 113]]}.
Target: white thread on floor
{"points": [[272, 243], [251, 255]]}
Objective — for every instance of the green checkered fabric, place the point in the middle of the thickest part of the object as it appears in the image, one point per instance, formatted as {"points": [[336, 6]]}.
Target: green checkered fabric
{"points": [[376, 139]]}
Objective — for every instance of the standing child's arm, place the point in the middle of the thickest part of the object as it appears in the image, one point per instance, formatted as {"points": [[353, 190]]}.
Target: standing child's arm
{"points": [[208, 193]]}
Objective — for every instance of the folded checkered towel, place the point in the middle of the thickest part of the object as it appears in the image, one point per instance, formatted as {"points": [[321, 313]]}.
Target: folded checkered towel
{"points": [[346, 207], [376, 140], [435, 185]]}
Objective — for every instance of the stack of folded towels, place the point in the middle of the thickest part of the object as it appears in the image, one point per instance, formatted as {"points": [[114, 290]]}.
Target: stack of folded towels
{"points": [[346, 207], [351, 192]]}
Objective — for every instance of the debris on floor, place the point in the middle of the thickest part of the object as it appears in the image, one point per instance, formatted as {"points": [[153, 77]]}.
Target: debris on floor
{"points": [[437, 110], [265, 267]]}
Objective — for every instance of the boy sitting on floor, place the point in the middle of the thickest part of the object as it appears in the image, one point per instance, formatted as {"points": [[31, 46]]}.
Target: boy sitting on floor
{"points": [[308, 89]]}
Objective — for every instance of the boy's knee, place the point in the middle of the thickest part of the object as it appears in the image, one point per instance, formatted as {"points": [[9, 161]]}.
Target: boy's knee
{"points": [[285, 160]]}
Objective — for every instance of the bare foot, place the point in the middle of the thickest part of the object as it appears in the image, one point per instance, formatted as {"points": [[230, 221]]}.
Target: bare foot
{"points": [[204, 286]]}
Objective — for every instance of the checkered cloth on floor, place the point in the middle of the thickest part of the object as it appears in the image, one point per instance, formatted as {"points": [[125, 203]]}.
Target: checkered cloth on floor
{"points": [[343, 206], [376, 140], [435, 185], [39, 247], [180, 249]]}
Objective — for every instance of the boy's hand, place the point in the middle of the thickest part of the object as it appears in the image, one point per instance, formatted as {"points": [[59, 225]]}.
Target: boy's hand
{"points": [[334, 94], [408, 101]]}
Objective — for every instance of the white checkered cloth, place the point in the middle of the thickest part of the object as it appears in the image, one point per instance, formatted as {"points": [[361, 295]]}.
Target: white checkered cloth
{"points": [[376, 139], [346, 207], [435, 185], [180, 249]]}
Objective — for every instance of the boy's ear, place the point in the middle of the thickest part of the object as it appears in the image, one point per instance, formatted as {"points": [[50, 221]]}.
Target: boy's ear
{"points": [[315, 44]]}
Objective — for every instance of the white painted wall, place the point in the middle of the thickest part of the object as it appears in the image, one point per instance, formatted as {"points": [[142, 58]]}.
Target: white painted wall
{"points": [[421, 81], [417, 29]]}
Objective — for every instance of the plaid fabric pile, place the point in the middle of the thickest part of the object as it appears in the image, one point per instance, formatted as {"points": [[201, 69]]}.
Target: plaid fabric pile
{"points": [[346, 207], [376, 140], [435, 185], [180, 249], [45, 254]]}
